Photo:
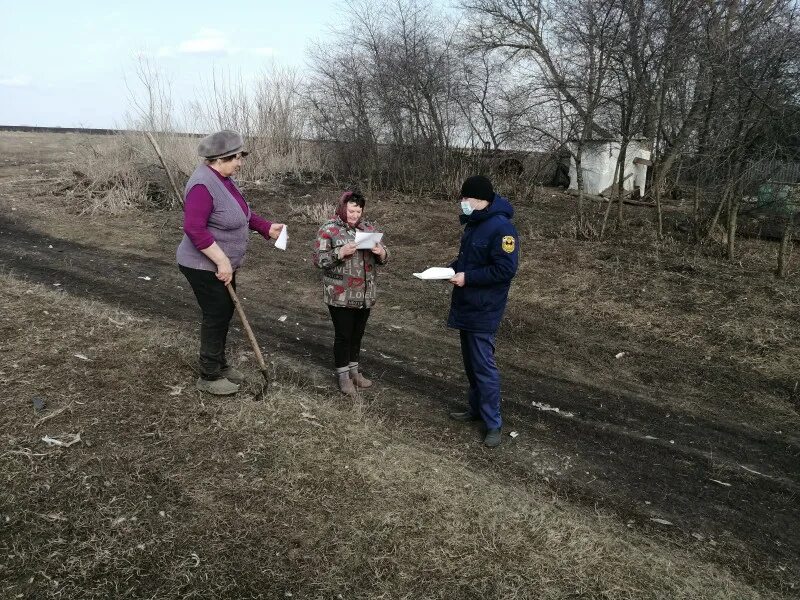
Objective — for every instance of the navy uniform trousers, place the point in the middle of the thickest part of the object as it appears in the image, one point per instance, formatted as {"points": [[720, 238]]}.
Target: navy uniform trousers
{"points": [[477, 350]]}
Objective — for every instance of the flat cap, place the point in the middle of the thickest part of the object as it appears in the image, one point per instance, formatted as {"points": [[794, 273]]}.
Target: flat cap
{"points": [[220, 144]]}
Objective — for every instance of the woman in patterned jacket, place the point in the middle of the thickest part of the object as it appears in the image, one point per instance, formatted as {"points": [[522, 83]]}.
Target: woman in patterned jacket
{"points": [[348, 284]]}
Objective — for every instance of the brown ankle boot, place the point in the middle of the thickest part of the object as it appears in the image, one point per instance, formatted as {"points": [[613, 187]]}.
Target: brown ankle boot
{"points": [[358, 378], [345, 384]]}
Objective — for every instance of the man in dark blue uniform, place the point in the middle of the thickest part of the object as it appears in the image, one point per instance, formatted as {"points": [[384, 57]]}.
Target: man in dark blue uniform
{"points": [[486, 263]]}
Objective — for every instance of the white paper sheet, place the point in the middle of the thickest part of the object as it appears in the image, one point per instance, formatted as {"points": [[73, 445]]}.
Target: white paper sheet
{"points": [[436, 273], [280, 243], [367, 240]]}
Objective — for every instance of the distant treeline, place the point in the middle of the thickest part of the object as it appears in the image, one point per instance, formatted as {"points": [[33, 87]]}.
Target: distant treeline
{"points": [[87, 130], [31, 128]]}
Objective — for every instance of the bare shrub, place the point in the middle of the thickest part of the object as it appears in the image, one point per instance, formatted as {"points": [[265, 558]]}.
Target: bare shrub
{"points": [[179, 149], [269, 114], [107, 180], [271, 117]]}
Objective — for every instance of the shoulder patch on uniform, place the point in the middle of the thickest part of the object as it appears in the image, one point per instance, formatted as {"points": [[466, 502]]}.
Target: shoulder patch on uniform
{"points": [[508, 243]]}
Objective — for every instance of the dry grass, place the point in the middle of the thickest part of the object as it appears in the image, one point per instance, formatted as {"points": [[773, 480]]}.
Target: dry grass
{"points": [[300, 160], [312, 212], [180, 151], [105, 179], [264, 164], [697, 330], [715, 338], [731, 326], [90, 174], [122, 173], [174, 495]]}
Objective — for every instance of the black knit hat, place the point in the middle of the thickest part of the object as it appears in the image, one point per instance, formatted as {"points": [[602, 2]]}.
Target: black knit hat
{"points": [[478, 187]]}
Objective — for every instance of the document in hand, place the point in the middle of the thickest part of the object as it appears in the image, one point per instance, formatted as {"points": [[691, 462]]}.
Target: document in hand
{"points": [[367, 241], [436, 273], [280, 243]]}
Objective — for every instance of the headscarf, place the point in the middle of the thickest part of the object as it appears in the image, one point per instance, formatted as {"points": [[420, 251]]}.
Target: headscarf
{"points": [[341, 210]]}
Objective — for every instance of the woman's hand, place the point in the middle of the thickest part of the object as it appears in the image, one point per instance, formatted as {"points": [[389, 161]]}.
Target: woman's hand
{"points": [[218, 257], [275, 230], [225, 271], [458, 279], [347, 250], [380, 251]]}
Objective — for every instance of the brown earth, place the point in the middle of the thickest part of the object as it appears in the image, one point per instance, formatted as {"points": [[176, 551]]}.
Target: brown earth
{"points": [[695, 424]]}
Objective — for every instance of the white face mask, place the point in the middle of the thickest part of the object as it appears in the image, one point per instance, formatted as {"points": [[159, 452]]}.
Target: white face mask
{"points": [[466, 207]]}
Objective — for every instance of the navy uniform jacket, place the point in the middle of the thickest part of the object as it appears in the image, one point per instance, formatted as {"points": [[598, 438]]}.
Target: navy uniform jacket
{"points": [[488, 257]]}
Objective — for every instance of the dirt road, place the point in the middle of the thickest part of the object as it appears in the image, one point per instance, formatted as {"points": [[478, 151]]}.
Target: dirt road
{"points": [[724, 488]]}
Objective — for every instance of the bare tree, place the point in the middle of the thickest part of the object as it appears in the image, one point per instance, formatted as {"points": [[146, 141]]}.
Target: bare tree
{"points": [[749, 82], [386, 81], [564, 52], [150, 96]]}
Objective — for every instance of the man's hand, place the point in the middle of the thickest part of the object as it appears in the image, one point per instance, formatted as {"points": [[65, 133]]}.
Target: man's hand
{"points": [[458, 279], [347, 250], [275, 230]]}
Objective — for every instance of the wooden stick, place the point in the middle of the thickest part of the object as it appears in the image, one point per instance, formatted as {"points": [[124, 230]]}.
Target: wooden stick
{"points": [[249, 331], [178, 195]]}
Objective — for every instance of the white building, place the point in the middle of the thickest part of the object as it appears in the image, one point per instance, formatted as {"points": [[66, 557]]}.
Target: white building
{"points": [[599, 161]]}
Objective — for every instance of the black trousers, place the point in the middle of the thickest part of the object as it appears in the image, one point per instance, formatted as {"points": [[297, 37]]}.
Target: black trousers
{"points": [[348, 326], [217, 308]]}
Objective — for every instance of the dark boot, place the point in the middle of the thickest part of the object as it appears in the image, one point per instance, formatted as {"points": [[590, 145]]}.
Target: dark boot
{"points": [[464, 417], [493, 438]]}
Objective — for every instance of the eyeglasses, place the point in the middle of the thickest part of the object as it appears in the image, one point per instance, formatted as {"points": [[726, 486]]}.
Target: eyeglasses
{"points": [[240, 156]]}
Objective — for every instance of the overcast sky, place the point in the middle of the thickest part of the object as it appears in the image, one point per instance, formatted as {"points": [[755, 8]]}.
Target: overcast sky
{"points": [[65, 63]]}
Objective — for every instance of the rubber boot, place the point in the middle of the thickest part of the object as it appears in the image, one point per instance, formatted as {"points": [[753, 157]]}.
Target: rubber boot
{"points": [[233, 375], [218, 387]]}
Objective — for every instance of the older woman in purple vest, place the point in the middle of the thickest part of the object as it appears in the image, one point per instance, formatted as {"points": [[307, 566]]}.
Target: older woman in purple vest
{"points": [[216, 226]]}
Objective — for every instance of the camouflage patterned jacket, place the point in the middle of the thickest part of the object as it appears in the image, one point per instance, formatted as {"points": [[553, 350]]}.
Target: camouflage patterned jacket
{"points": [[352, 282]]}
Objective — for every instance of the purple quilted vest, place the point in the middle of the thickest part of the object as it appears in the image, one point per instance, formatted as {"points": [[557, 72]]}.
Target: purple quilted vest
{"points": [[227, 223]]}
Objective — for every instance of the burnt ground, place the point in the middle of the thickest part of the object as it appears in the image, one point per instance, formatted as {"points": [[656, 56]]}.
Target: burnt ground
{"points": [[727, 485]]}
